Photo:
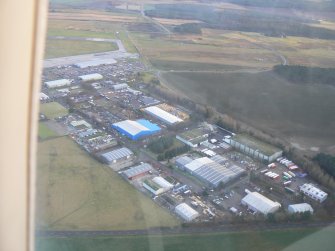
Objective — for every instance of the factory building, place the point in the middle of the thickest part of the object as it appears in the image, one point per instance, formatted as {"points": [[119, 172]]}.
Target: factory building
{"points": [[137, 171], [160, 181], [91, 77], [182, 161], [313, 192], [255, 148], [94, 63], [58, 83], [259, 203], [162, 115], [136, 129], [119, 158], [43, 97], [300, 208], [120, 87], [153, 187], [211, 172], [193, 138], [186, 212]]}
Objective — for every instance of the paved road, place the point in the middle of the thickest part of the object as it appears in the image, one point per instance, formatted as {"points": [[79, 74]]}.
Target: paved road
{"points": [[187, 230], [120, 53]]}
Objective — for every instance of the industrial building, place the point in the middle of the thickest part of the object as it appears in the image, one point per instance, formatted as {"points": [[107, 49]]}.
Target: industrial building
{"points": [[193, 138], [120, 87], [147, 101], [136, 129], [300, 208], [259, 203], [80, 124], [182, 161], [137, 171], [43, 97], [162, 183], [255, 148], [94, 63], [153, 187], [119, 158], [91, 77], [313, 192], [162, 115], [186, 212], [211, 172], [58, 83]]}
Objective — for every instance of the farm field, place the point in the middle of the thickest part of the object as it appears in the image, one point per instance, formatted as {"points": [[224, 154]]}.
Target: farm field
{"points": [[61, 48], [53, 110], [301, 114], [75, 192], [44, 132], [307, 239]]}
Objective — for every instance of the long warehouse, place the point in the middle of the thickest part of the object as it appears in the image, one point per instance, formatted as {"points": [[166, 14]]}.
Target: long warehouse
{"points": [[259, 203], [136, 129], [162, 115], [58, 83]]}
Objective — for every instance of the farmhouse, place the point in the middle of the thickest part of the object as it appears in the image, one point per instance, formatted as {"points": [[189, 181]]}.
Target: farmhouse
{"points": [[259, 203], [136, 129], [254, 147]]}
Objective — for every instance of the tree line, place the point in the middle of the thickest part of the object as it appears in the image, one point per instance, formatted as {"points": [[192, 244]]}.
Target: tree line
{"points": [[326, 162], [306, 75]]}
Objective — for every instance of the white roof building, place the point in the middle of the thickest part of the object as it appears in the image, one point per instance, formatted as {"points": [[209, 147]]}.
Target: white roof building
{"points": [[313, 192], [91, 77], [259, 203], [93, 63], [162, 183], [186, 212], [163, 115], [197, 163], [43, 96], [300, 208], [119, 87], [58, 83]]}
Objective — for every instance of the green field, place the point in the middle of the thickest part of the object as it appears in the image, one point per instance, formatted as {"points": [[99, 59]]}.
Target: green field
{"points": [[75, 192], [302, 114], [61, 48], [44, 132], [297, 240], [53, 110]]}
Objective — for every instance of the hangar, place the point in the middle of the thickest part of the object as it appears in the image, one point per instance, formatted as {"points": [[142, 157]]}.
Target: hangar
{"points": [[186, 212], [259, 203], [136, 129]]}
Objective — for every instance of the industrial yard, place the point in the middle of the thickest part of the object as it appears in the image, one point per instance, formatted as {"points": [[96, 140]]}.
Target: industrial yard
{"points": [[196, 171]]}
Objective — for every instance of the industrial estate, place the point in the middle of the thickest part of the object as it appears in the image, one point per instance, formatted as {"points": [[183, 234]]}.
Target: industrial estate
{"points": [[196, 170]]}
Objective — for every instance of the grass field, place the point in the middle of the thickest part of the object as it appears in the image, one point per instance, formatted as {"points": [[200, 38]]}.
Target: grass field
{"points": [[44, 132], [289, 240], [53, 110], [300, 113], [61, 48], [75, 192]]}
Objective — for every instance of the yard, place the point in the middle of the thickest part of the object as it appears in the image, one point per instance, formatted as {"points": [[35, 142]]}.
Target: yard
{"points": [[53, 110]]}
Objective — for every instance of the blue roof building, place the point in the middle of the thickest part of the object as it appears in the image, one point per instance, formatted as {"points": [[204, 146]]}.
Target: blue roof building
{"points": [[136, 129]]}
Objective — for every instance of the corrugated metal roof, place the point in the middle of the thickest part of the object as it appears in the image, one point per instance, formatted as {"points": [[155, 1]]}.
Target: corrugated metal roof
{"points": [[186, 212], [197, 163], [137, 170], [300, 208], [58, 83], [261, 203], [90, 77], [130, 126], [163, 115], [184, 160], [162, 182], [117, 154]]}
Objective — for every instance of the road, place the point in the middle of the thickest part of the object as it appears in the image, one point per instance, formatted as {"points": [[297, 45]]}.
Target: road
{"points": [[63, 61]]}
